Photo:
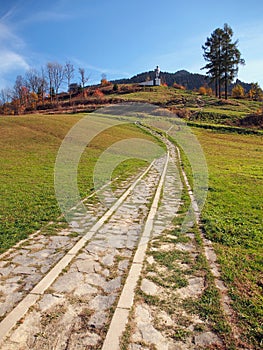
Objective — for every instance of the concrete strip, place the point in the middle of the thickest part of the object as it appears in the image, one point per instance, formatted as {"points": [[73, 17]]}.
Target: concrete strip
{"points": [[117, 326], [18, 312], [140, 252], [79, 245], [128, 291]]}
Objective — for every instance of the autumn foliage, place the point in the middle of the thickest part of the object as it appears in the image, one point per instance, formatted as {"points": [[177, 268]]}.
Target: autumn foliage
{"points": [[97, 93], [205, 90], [178, 86], [238, 91], [105, 82], [255, 93]]}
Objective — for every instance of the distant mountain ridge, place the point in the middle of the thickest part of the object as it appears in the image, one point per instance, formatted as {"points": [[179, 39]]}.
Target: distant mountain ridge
{"points": [[190, 80]]}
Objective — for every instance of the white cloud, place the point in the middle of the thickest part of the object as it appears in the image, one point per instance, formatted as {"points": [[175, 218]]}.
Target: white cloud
{"points": [[10, 61], [8, 38]]}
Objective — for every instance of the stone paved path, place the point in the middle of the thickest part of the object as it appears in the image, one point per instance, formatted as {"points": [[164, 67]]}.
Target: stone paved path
{"points": [[159, 319], [23, 266], [75, 312]]}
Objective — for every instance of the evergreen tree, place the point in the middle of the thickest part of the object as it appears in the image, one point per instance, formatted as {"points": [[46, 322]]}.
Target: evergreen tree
{"points": [[212, 54], [223, 58]]}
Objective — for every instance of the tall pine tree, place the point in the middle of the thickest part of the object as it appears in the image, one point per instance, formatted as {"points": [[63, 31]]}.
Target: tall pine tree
{"points": [[223, 58]]}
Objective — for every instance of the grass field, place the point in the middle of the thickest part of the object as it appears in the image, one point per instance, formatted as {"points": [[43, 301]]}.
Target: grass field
{"points": [[28, 149], [201, 108], [233, 220], [232, 217]]}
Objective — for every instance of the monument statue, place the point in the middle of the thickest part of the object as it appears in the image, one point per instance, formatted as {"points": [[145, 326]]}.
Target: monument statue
{"points": [[157, 80], [157, 72]]}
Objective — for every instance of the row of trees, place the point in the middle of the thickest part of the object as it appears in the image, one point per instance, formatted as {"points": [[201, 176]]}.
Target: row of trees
{"points": [[35, 86], [223, 57], [255, 92]]}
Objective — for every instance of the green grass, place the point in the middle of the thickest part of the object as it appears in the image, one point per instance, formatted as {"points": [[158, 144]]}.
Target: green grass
{"points": [[225, 128], [166, 273], [28, 149], [203, 109], [232, 219]]}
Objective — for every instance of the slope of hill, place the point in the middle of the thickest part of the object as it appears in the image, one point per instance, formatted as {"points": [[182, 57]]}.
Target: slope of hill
{"points": [[190, 80]]}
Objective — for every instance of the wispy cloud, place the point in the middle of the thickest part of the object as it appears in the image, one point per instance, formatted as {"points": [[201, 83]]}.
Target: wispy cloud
{"points": [[10, 60], [47, 16], [7, 14], [8, 37]]}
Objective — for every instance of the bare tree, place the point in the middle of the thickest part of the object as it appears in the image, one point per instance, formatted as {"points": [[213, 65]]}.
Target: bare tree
{"points": [[83, 79], [20, 94], [5, 96], [43, 88], [19, 83], [69, 72], [33, 80], [55, 74], [50, 78]]}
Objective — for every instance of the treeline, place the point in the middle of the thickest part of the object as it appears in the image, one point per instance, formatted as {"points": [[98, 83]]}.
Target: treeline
{"points": [[36, 87], [255, 92], [190, 81]]}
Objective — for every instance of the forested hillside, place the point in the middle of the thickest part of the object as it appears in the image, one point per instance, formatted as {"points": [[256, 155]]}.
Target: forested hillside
{"points": [[190, 80]]}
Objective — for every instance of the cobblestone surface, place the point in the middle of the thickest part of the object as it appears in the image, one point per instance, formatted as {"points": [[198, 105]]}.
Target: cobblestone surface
{"points": [[76, 311], [159, 319], [23, 266]]}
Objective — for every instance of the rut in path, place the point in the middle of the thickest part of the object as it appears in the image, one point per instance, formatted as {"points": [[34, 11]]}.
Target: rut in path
{"points": [[75, 312]]}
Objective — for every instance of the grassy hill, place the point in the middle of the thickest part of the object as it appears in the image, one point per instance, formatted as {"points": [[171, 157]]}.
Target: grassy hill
{"points": [[190, 80], [191, 105], [28, 149], [232, 217]]}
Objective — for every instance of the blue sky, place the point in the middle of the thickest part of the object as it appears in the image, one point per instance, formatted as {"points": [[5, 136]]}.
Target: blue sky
{"points": [[122, 38]]}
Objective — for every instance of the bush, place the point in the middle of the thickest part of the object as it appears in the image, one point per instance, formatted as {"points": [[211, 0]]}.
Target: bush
{"points": [[255, 93], [178, 86], [183, 113], [97, 93], [202, 90], [205, 90], [105, 82], [238, 91]]}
